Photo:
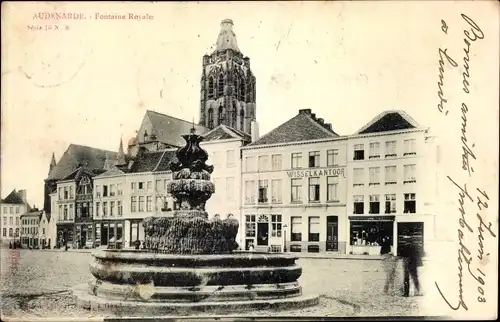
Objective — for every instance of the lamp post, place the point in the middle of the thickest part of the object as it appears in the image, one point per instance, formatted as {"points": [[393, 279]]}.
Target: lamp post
{"points": [[284, 237]]}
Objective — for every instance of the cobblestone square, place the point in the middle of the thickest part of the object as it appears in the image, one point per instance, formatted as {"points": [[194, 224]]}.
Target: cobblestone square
{"points": [[37, 284]]}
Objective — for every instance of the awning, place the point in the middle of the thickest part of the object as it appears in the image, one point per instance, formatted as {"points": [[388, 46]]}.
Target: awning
{"points": [[372, 218]]}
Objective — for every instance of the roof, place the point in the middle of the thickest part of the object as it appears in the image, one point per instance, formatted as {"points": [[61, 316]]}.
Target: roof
{"points": [[76, 155], [391, 120], [224, 132], [14, 198], [302, 127], [169, 129], [75, 175], [33, 213], [153, 161], [111, 172], [227, 37]]}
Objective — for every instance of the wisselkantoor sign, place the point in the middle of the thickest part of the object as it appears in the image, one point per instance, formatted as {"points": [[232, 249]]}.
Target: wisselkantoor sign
{"points": [[316, 173]]}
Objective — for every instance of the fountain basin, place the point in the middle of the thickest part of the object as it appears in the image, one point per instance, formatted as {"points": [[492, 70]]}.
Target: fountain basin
{"points": [[127, 282]]}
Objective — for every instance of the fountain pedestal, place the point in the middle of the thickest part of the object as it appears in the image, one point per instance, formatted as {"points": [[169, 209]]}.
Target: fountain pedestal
{"points": [[190, 263]]}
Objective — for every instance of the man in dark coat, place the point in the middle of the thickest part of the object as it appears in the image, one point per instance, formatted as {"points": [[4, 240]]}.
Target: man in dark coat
{"points": [[410, 253]]}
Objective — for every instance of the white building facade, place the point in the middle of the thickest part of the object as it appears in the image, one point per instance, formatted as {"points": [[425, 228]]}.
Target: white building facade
{"points": [[11, 209]]}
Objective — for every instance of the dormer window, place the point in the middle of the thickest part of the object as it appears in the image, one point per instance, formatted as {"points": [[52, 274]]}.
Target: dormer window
{"points": [[145, 136]]}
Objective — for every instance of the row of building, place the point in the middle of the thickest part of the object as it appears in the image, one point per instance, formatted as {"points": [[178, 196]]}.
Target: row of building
{"points": [[301, 187]]}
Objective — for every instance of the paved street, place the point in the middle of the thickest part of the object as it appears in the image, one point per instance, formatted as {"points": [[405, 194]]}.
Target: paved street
{"points": [[36, 283]]}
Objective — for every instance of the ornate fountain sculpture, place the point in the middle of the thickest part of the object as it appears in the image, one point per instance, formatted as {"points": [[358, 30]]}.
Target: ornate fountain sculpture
{"points": [[190, 231], [190, 263]]}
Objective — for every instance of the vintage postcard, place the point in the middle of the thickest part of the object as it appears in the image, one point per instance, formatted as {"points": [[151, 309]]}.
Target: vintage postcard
{"points": [[249, 160]]}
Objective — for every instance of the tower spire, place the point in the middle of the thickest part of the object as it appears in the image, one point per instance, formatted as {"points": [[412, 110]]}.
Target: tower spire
{"points": [[52, 162], [227, 37], [120, 157]]}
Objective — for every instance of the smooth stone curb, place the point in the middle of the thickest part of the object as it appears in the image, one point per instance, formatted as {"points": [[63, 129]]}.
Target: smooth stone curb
{"points": [[139, 309]]}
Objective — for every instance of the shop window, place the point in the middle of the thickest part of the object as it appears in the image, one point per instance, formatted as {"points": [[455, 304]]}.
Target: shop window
{"points": [[331, 157], [371, 232], [313, 248], [410, 203], [295, 248], [390, 203], [263, 191], [314, 228], [390, 149], [314, 189], [296, 229], [250, 225], [374, 150], [359, 205], [359, 152], [296, 160], [275, 225], [314, 158], [374, 204], [296, 190]]}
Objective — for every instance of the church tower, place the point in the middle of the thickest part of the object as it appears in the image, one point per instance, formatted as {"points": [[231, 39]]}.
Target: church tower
{"points": [[227, 85]]}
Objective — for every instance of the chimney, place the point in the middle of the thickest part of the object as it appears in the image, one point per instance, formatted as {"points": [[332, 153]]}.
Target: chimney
{"points": [[254, 130], [329, 126], [313, 116], [22, 193], [305, 111], [321, 121]]}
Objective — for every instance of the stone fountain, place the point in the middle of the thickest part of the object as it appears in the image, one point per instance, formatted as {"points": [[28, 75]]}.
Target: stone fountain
{"points": [[190, 263]]}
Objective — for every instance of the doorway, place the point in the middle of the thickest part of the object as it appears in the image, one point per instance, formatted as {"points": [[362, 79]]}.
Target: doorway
{"points": [[415, 231], [332, 233], [262, 234]]}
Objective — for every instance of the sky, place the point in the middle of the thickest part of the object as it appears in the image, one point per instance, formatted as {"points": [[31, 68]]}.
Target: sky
{"points": [[92, 84]]}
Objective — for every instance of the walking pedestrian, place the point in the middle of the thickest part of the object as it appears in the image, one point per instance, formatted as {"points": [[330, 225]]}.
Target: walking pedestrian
{"points": [[389, 264], [411, 261]]}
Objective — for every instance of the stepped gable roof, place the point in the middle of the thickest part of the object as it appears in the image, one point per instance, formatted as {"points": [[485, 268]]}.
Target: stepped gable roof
{"points": [[76, 155], [391, 120], [224, 132], [153, 161], [302, 127], [14, 198], [169, 129]]}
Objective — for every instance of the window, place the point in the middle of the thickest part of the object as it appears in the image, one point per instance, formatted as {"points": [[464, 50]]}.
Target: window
{"points": [[230, 188], [59, 214], [141, 203], [276, 161], [314, 189], [263, 191], [112, 190], [374, 176], [359, 152], [211, 86], [276, 188], [249, 164], [234, 115], [374, 150], [331, 157], [374, 204], [104, 209], [97, 190], [5, 220], [358, 179], [390, 174], [390, 149], [296, 160], [410, 147], [17, 221], [390, 203], [220, 86], [296, 190], [314, 159], [314, 229], [4, 232], [158, 184], [210, 118], [242, 90], [120, 207], [17, 209], [275, 225], [150, 185], [133, 204], [140, 185], [359, 204], [112, 208], [71, 192], [60, 197], [409, 173], [217, 194], [220, 116], [11, 220], [65, 212], [250, 225], [296, 229], [149, 203], [410, 203], [242, 120], [66, 195], [249, 192], [230, 158], [11, 232], [104, 191], [133, 185], [263, 163]]}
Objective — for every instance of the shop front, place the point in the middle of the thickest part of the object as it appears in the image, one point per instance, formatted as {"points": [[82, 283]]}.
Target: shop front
{"points": [[366, 233], [135, 232], [84, 233], [109, 233], [65, 234]]}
